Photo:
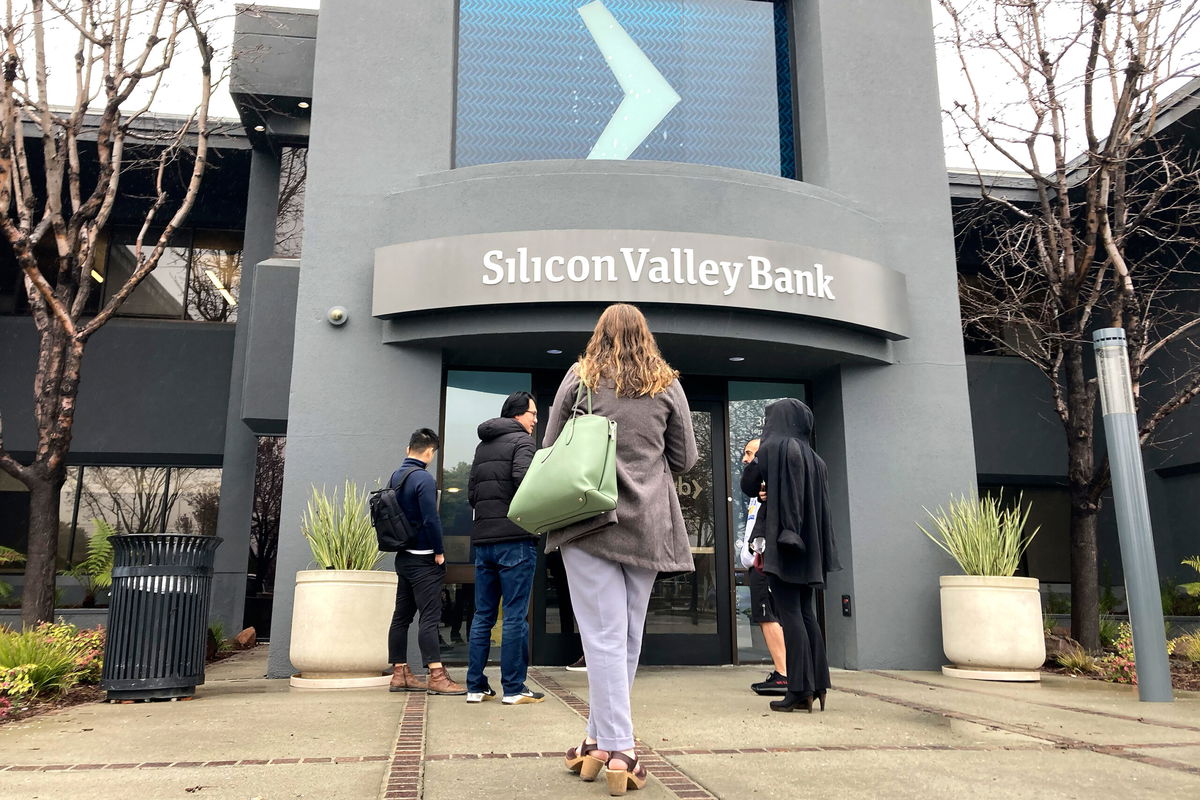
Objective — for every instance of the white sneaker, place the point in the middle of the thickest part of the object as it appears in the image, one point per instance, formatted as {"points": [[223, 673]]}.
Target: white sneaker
{"points": [[479, 697], [523, 698]]}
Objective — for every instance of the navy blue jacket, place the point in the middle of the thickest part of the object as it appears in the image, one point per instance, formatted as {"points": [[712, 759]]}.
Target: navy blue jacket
{"points": [[418, 501]]}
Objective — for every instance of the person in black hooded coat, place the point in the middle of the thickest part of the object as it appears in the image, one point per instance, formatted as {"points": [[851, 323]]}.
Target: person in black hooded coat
{"points": [[799, 551]]}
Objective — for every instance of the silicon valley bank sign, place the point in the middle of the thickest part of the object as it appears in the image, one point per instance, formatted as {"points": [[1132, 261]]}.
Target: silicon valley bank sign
{"points": [[604, 266]]}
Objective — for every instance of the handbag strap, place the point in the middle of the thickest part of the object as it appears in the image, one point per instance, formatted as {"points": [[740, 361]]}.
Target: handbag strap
{"points": [[579, 397]]}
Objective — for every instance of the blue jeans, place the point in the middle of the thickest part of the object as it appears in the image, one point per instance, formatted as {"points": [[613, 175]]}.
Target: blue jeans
{"points": [[504, 569]]}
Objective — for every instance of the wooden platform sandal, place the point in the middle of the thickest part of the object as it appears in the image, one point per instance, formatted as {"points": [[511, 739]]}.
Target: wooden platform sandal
{"points": [[580, 759], [633, 776]]}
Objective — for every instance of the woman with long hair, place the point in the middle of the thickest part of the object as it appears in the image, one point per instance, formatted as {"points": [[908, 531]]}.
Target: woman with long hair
{"points": [[799, 552], [612, 560]]}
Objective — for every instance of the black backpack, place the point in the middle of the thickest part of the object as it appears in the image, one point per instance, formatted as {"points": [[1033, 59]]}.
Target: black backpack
{"points": [[393, 531]]}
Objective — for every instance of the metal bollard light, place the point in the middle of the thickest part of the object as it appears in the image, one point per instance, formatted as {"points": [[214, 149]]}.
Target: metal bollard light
{"points": [[1133, 516]]}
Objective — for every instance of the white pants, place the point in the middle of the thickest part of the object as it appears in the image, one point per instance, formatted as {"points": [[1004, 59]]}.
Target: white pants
{"points": [[609, 600]]}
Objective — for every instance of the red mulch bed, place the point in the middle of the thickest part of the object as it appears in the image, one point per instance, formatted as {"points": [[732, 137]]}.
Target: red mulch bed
{"points": [[1185, 676], [73, 697]]}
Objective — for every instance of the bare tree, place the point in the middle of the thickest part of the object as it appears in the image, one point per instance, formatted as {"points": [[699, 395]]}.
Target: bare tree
{"points": [[61, 163], [1107, 236], [268, 503], [131, 499], [289, 220]]}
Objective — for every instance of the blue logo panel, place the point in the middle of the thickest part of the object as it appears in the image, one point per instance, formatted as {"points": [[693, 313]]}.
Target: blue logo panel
{"points": [[534, 83]]}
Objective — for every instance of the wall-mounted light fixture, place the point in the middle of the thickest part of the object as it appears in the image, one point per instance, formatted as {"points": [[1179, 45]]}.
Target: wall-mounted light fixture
{"points": [[337, 315]]}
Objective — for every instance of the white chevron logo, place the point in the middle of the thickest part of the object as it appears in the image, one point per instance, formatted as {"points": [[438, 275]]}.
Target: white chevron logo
{"points": [[648, 96]]}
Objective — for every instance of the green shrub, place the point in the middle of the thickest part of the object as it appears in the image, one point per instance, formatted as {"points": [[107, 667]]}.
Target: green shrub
{"points": [[94, 573], [339, 532], [1058, 603], [217, 629], [1187, 647], [8, 557], [1120, 667], [1077, 660], [1110, 631], [1193, 589], [981, 535], [48, 659]]}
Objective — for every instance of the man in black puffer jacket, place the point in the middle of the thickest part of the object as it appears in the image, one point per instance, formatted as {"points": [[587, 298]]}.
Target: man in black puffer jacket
{"points": [[505, 554]]}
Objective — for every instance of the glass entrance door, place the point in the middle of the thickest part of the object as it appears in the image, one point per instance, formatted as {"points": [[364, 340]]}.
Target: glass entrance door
{"points": [[688, 621]]}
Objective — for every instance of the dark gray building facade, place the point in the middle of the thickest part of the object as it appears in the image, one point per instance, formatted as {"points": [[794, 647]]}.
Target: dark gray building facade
{"points": [[857, 309]]}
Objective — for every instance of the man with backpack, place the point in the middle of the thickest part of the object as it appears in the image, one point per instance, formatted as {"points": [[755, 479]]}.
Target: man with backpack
{"points": [[421, 569], [505, 554]]}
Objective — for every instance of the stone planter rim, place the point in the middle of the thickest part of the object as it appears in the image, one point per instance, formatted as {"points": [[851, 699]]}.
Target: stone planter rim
{"points": [[996, 581], [345, 576]]}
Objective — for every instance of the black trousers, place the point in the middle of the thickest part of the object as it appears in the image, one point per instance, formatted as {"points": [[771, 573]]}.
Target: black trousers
{"points": [[418, 590], [807, 663]]}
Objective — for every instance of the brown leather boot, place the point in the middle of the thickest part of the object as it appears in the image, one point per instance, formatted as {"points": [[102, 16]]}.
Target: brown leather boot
{"points": [[440, 683], [404, 681]]}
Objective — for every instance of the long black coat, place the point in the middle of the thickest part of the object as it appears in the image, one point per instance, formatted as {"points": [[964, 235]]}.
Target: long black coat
{"points": [[501, 461], [795, 521]]}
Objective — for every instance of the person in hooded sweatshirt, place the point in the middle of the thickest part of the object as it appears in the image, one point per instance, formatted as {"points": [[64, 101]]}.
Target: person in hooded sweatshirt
{"points": [[505, 554], [796, 524]]}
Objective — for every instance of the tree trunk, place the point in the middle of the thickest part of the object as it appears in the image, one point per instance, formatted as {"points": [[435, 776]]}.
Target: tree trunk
{"points": [[37, 597], [1085, 580], [1081, 469]]}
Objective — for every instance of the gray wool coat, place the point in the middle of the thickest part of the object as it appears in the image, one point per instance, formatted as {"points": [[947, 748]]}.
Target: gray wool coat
{"points": [[654, 439]]}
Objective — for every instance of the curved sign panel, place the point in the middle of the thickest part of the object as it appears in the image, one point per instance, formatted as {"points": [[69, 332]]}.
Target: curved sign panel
{"points": [[605, 266]]}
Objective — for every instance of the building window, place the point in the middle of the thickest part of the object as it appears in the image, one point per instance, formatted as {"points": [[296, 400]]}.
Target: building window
{"points": [[533, 83], [139, 499], [198, 276], [289, 216], [1049, 555]]}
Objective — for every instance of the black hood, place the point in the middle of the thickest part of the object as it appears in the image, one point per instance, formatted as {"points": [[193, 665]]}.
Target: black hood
{"points": [[495, 428], [788, 419]]}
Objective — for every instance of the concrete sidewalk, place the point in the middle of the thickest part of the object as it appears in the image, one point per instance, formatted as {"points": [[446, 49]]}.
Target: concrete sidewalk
{"points": [[704, 735]]}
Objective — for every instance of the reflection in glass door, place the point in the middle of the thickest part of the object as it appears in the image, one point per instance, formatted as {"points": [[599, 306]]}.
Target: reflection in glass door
{"points": [[748, 401], [688, 617], [472, 397]]}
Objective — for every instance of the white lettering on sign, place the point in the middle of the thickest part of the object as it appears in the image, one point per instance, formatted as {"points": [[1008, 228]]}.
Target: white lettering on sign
{"points": [[678, 266]]}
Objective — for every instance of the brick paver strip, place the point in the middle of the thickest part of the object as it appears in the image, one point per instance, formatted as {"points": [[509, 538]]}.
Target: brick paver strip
{"points": [[402, 780]]}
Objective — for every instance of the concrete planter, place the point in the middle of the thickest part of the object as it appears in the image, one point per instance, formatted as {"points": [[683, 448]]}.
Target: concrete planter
{"points": [[340, 624], [992, 628]]}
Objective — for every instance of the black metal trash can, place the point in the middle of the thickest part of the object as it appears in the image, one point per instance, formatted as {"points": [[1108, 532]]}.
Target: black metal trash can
{"points": [[158, 615]]}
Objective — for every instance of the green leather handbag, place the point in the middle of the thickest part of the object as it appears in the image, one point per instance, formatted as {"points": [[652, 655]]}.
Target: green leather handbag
{"points": [[572, 480]]}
